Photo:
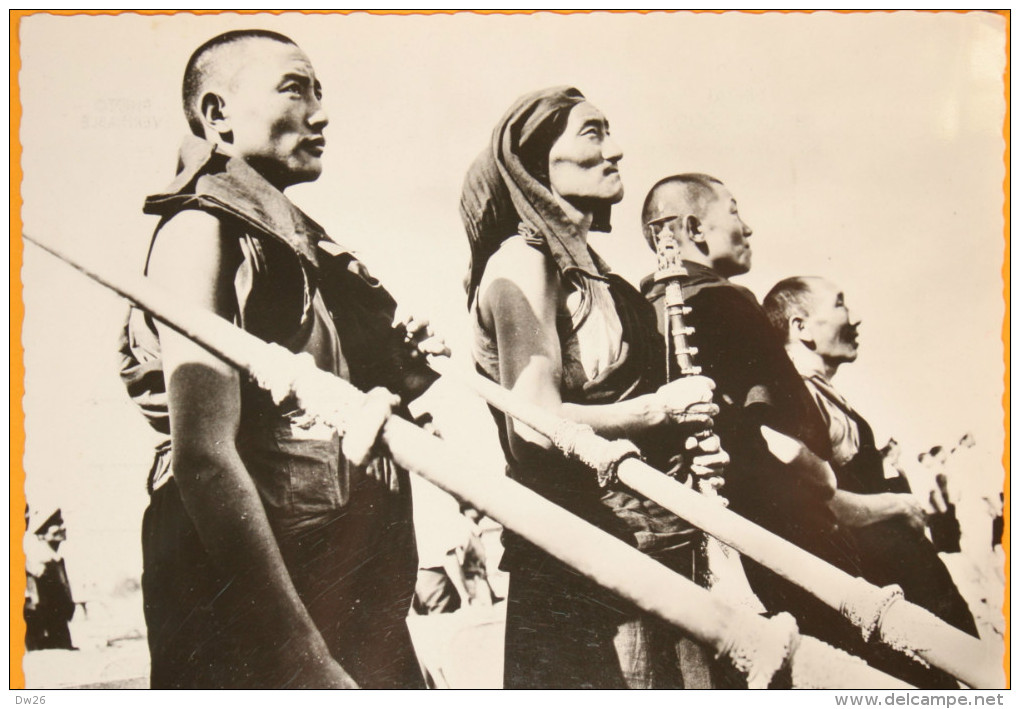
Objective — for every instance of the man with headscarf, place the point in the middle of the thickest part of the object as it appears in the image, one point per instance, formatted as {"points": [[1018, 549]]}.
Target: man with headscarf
{"points": [[555, 325], [275, 553], [820, 332]]}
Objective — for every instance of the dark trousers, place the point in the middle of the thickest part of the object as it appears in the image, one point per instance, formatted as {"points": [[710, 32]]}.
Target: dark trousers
{"points": [[46, 631], [559, 630], [355, 576]]}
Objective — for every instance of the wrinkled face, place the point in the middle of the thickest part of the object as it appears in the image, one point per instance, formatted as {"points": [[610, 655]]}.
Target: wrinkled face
{"points": [[725, 235], [831, 325], [583, 161], [274, 113]]}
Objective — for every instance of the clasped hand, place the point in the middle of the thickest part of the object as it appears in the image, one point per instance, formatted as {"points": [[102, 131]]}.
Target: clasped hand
{"points": [[688, 402], [911, 511], [359, 441], [419, 335]]}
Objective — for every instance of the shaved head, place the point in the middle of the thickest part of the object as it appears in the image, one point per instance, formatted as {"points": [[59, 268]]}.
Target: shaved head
{"points": [[679, 195], [215, 61], [788, 298], [811, 316], [702, 216]]}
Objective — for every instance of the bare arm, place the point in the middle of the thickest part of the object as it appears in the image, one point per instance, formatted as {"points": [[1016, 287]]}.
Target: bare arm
{"points": [[855, 510], [519, 297], [801, 461], [192, 258]]}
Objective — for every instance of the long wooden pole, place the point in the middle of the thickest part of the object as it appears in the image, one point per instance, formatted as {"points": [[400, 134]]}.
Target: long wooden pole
{"points": [[877, 612], [758, 647]]}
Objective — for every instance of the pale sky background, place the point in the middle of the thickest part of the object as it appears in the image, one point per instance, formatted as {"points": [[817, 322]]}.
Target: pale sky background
{"points": [[865, 148]]}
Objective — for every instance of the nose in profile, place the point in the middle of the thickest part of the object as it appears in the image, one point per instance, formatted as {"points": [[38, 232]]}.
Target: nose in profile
{"points": [[317, 117], [611, 150]]}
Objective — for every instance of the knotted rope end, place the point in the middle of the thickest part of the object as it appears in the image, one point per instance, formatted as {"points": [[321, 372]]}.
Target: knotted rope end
{"points": [[864, 605], [760, 650], [580, 442]]}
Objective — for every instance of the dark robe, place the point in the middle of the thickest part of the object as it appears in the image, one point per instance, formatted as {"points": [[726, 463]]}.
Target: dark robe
{"points": [[560, 625], [756, 384], [346, 537], [892, 552]]}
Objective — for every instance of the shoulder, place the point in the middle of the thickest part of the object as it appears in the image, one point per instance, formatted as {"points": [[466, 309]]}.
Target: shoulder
{"points": [[193, 249], [518, 260], [728, 300], [518, 270], [714, 301], [192, 231]]}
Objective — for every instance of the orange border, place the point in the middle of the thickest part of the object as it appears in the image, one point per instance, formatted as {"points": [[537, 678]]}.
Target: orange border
{"points": [[1005, 342], [17, 308], [17, 499], [405, 13]]}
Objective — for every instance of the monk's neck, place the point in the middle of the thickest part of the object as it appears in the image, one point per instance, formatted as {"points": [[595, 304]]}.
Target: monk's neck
{"points": [[809, 363], [695, 256], [582, 219]]}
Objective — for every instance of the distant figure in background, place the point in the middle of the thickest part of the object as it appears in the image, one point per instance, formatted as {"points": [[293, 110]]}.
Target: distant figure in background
{"points": [[886, 520], [975, 488], [891, 453], [474, 561], [49, 605], [998, 525], [943, 524], [451, 576], [455, 577], [928, 485], [440, 533], [972, 488]]}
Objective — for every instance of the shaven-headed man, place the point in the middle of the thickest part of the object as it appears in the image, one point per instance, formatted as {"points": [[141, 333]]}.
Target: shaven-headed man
{"points": [[272, 558], [758, 391], [820, 333]]}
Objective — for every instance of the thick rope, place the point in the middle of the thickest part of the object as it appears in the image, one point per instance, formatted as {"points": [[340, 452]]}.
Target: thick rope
{"points": [[284, 375], [759, 652], [580, 442], [815, 662], [865, 605]]}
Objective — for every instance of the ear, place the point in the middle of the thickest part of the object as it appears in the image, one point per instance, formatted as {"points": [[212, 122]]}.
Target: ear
{"points": [[214, 114], [692, 225], [799, 331]]}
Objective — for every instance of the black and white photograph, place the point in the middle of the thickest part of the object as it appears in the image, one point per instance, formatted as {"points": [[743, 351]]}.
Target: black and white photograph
{"points": [[510, 350]]}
